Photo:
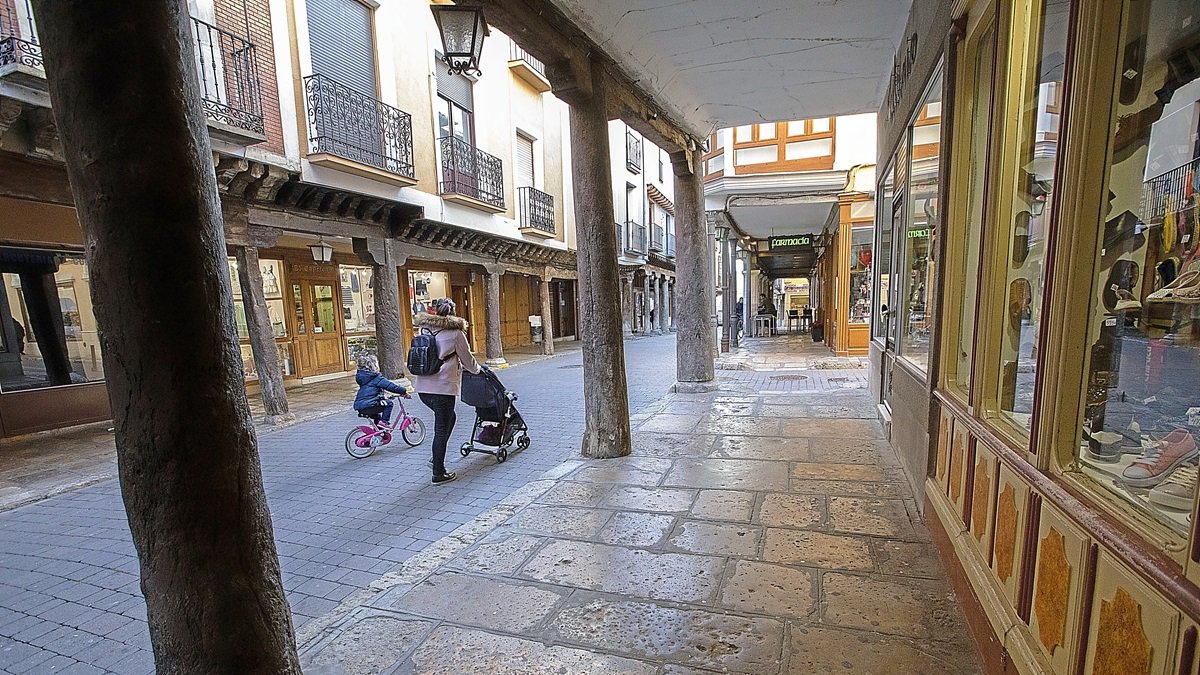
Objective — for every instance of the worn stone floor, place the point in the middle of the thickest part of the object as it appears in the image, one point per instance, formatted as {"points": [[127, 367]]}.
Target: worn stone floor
{"points": [[783, 352], [751, 531], [37, 466]]}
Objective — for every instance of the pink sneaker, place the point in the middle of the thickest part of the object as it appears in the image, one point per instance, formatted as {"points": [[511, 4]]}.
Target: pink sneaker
{"points": [[1157, 462]]}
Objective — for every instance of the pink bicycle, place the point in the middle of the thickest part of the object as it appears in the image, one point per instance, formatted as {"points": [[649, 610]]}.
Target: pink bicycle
{"points": [[365, 439]]}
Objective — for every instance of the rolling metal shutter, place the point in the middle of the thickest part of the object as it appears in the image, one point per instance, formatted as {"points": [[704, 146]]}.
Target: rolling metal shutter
{"points": [[342, 43], [456, 88], [524, 161]]}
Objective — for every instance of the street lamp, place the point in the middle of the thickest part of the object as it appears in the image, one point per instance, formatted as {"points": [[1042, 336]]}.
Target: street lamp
{"points": [[721, 231], [321, 252], [463, 30]]}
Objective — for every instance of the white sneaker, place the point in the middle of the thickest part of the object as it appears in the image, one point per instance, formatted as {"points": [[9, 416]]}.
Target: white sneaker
{"points": [[1178, 490]]}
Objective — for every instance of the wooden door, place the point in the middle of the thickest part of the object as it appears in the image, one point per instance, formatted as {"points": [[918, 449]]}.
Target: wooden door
{"points": [[320, 339]]}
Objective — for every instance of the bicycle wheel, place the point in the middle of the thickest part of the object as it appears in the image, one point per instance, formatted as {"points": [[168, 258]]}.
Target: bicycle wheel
{"points": [[414, 433], [360, 451]]}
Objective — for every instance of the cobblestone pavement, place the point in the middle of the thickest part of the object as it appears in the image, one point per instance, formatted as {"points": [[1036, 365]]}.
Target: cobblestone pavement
{"points": [[36, 466], [69, 592], [749, 533]]}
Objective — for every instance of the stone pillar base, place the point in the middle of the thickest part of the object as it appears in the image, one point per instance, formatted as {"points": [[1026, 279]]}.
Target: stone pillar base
{"points": [[694, 387], [497, 363]]}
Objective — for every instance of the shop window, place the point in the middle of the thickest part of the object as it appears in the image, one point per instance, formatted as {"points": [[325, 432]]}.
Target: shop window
{"points": [[885, 231], [921, 226], [272, 281], [425, 288], [968, 191], [358, 310], [1025, 202], [48, 330], [861, 257], [1142, 408]]}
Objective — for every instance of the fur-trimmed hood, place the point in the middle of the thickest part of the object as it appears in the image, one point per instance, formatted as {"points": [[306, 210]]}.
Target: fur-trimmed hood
{"points": [[434, 322]]}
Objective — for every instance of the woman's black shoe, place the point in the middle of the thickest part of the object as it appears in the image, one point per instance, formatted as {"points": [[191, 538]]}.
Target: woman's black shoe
{"points": [[444, 478]]}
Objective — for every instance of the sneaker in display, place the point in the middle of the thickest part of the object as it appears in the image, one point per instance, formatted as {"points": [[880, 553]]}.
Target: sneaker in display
{"points": [[1178, 490], [1126, 302], [1105, 447], [1163, 456]]}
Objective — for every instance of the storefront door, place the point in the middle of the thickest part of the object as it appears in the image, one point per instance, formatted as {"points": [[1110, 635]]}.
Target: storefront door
{"points": [[319, 333], [562, 296]]}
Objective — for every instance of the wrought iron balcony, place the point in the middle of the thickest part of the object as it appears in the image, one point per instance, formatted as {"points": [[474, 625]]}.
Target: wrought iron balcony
{"points": [[20, 51], [657, 237], [670, 246], [635, 238], [471, 172], [536, 210], [633, 152], [229, 84], [352, 125]]}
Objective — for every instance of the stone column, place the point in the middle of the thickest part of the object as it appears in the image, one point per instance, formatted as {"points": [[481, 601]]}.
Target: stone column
{"points": [[748, 298], [262, 339], [661, 298], [647, 324], [145, 192], [547, 317], [605, 397], [693, 261], [726, 293], [491, 315]]}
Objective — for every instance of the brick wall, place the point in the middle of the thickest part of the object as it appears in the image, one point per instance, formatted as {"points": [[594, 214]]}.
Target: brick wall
{"points": [[232, 15], [8, 17]]}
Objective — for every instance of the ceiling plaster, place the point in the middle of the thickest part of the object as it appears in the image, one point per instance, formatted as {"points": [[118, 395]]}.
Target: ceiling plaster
{"points": [[721, 63]]}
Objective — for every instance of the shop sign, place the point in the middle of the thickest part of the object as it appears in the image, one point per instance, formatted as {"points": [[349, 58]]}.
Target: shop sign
{"points": [[902, 66], [922, 233], [789, 242]]}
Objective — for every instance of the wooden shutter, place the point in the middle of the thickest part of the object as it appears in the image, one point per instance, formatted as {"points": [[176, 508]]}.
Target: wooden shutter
{"points": [[524, 161], [342, 43]]}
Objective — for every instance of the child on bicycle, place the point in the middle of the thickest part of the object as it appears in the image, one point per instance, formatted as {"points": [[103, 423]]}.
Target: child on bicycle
{"points": [[372, 385]]}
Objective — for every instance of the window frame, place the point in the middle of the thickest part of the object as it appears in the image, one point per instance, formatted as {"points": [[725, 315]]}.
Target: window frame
{"points": [[781, 141]]}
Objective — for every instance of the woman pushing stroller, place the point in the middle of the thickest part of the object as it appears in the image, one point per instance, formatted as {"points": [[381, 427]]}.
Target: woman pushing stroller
{"points": [[440, 391]]}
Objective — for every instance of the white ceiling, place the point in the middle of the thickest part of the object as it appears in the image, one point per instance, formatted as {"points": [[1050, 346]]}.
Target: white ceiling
{"points": [[720, 63], [761, 222]]}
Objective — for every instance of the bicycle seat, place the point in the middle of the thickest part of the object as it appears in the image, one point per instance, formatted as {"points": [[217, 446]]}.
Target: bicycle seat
{"points": [[373, 418]]}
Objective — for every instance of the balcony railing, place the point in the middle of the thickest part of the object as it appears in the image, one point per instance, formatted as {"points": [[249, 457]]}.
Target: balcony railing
{"points": [[620, 237], [536, 209], [635, 238], [354, 126], [18, 38], [229, 85], [656, 238], [633, 152], [471, 172], [515, 53], [670, 246]]}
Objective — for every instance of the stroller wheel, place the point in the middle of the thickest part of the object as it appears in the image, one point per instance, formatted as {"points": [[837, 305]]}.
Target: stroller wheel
{"points": [[501, 454], [523, 442], [465, 449]]}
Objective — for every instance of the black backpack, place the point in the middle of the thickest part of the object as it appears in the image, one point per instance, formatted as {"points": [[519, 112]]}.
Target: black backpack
{"points": [[424, 356]]}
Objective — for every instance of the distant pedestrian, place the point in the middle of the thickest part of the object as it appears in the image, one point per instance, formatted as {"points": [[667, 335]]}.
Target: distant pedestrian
{"points": [[440, 391]]}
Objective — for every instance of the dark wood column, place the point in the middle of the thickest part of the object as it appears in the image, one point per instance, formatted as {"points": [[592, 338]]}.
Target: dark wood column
{"points": [[647, 324], [694, 277], [262, 340], [660, 298], [46, 323], [547, 316], [389, 331], [143, 182], [605, 398], [492, 317]]}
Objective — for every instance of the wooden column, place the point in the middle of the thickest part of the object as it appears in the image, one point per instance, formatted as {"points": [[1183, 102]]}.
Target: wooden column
{"points": [[547, 317], [605, 398], [389, 330], [671, 304], [46, 323], [141, 172], [660, 315], [693, 261], [262, 339], [647, 324], [494, 345]]}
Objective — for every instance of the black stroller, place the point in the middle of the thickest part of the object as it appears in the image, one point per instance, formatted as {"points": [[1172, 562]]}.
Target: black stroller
{"points": [[497, 423]]}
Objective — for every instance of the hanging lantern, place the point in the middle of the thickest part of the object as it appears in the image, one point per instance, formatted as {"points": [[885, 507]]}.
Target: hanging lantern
{"points": [[462, 30], [321, 252]]}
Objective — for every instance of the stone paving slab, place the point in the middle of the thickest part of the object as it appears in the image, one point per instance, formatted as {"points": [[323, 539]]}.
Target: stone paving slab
{"points": [[736, 553]]}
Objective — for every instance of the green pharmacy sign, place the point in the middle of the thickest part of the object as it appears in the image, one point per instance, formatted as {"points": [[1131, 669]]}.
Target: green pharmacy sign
{"points": [[788, 242], [922, 233]]}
